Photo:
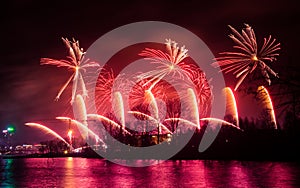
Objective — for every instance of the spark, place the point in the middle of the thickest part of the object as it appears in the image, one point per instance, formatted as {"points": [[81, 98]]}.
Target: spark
{"points": [[245, 62], [74, 63]]}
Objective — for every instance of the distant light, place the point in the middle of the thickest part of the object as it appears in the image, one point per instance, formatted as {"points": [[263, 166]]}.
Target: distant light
{"points": [[10, 129], [65, 152], [4, 131]]}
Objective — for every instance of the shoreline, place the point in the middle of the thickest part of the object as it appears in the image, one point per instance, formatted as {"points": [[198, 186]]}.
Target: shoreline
{"points": [[174, 158]]}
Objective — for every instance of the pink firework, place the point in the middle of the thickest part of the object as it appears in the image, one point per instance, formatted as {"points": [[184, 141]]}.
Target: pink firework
{"points": [[203, 92], [138, 93], [170, 63], [73, 63], [250, 57], [140, 97], [107, 84]]}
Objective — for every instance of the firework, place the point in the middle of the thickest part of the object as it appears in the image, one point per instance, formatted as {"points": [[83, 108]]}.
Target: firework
{"points": [[48, 130], [171, 63], [108, 120], [149, 97], [107, 85], [264, 96], [74, 63], [194, 106], [79, 110], [150, 118], [218, 121], [151, 101], [70, 135], [203, 92], [118, 106], [209, 119], [231, 107], [82, 126], [250, 57], [182, 120]]}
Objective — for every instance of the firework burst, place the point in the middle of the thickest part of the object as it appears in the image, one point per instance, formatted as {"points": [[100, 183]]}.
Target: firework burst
{"points": [[138, 94], [203, 92], [170, 63], [250, 57], [107, 84], [73, 63]]}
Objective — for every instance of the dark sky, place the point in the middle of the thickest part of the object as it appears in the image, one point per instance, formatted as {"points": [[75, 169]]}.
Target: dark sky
{"points": [[33, 29]]}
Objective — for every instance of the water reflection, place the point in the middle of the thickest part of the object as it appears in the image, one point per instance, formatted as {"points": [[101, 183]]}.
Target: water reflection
{"points": [[84, 172]]}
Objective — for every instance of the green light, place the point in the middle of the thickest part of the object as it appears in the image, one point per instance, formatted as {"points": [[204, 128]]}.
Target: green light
{"points": [[10, 129]]}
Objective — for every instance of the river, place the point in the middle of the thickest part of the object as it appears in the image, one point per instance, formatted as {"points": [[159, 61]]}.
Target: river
{"points": [[91, 172]]}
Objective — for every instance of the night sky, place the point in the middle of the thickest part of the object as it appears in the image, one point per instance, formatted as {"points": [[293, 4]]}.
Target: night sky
{"points": [[31, 30]]}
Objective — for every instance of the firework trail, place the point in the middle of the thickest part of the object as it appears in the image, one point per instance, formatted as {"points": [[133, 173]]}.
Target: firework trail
{"points": [[149, 95], [153, 106], [143, 100], [250, 57], [217, 120], [119, 108], [107, 85], [203, 92], [231, 107], [183, 121], [82, 126], [48, 130], [70, 135], [103, 90], [194, 106], [264, 96], [103, 118], [75, 64], [80, 113], [151, 119], [209, 119], [171, 62]]}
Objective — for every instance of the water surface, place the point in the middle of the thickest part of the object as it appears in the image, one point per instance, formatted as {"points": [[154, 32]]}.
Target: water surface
{"points": [[87, 172]]}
